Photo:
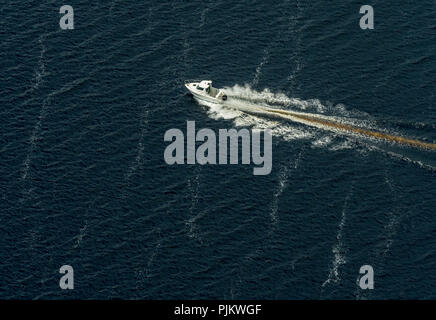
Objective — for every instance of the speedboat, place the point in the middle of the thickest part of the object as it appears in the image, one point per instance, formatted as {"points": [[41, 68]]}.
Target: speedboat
{"points": [[203, 90]]}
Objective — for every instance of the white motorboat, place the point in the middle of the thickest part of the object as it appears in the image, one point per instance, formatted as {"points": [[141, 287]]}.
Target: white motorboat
{"points": [[202, 89]]}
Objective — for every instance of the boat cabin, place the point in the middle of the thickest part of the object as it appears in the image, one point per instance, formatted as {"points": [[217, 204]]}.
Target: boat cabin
{"points": [[206, 85], [203, 88]]}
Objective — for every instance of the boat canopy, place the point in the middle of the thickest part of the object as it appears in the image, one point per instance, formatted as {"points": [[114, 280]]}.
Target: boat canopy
{"points": [[205, 84]]}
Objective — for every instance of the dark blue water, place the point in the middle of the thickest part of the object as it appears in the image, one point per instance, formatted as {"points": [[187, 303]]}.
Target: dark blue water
{"points": [[84, 181]]}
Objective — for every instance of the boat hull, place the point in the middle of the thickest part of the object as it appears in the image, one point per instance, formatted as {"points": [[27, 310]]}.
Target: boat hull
{"points": [[205, 98]]}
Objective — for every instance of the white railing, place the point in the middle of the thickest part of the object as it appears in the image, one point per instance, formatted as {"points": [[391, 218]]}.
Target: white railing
{"points": [[192, 80]]}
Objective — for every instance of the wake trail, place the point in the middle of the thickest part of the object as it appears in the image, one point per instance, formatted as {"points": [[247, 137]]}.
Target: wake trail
{"points": [[40, 71], [194, 192], [319, 122], [279, 105], [258, 72], [34, 139], [283, 181], [154, 253], [394, 217], [287, 29], [139, 158], [338, 249], [138, 162], [37, 133], [284, 174]]}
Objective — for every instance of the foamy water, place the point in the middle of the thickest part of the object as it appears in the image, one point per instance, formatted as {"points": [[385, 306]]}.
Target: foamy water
{"points": [[339, 125], [246, 107]]}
